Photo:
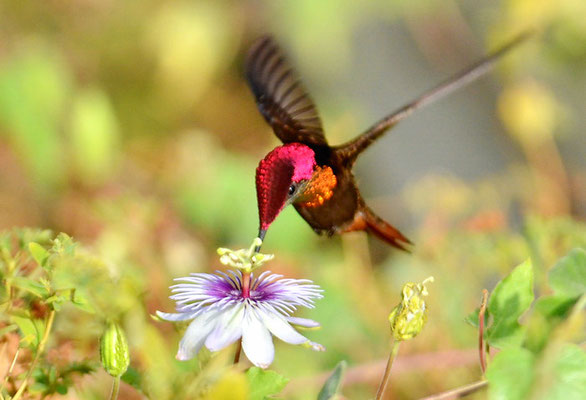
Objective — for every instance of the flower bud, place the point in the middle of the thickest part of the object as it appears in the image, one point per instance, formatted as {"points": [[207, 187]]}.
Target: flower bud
{"points": [[409, 316], [114, 350]]}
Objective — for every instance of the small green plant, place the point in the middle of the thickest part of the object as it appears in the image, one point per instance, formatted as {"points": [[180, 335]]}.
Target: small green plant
{"points": [[539, 339], [529, 347], [540, 342], [34, 290]]}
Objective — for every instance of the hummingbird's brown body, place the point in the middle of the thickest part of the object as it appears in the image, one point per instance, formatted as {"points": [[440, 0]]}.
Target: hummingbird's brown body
{"points": [[306, 171], [346, 211]]}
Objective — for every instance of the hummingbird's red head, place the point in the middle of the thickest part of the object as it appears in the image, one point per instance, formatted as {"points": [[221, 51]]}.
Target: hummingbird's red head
{"points": [[280, 177]]}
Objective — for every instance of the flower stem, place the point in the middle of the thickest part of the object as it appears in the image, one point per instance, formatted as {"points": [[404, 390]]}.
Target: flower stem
{"points": [[115, 388], [384, 384], [481, 348], [458, 392], [40, 349], [12, 364], [238, 351]]}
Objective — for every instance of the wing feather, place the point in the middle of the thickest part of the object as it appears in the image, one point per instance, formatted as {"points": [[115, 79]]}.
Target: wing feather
{"points": [[280, 95]]}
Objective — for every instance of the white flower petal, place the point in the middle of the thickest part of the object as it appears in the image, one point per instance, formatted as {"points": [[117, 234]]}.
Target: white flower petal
{"points": [[257, 342], [227, 330], [304, 322], [281, 328], [196, 334], [175, 316]]}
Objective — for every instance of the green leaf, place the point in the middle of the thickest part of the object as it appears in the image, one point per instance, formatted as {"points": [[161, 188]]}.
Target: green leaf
{"points": [[38, 388], [568, 276], [28, 328], [507, 333], [81, 301], [472, 318], [509, 300], [555, 306], [61, 389], [548, 313], [133, 378], [64, 244], [511, 374], [264, 383], [568, 375], [39, 253], [30, 285], [80, 367], [332, 384]]}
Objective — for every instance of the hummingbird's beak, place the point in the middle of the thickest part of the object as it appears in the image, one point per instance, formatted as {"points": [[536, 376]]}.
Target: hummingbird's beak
{"points": [[261, 235]]}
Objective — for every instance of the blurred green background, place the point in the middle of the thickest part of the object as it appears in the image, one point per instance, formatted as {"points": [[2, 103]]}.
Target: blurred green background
{"points": [[129, 126]]}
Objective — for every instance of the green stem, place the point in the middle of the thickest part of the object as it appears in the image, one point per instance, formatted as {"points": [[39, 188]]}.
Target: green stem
{"points": [[458, 392], [384, 384], [10, 266], [115, 388], [12, 364], [40, 349]]}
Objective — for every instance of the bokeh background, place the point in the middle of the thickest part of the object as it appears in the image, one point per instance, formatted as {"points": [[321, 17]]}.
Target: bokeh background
{"points": [[129, 125]]}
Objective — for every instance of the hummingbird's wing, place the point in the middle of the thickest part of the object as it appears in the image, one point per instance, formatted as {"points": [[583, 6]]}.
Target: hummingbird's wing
{"points": [[280, 96], [350, 150]]}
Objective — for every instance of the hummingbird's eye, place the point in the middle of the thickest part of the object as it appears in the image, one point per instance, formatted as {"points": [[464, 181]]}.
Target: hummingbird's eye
{"points": [[292, 189]]}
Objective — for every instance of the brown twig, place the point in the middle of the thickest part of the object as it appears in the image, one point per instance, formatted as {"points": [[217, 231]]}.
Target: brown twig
{"points": [[458, 392], [238, 351], [481, 351]]}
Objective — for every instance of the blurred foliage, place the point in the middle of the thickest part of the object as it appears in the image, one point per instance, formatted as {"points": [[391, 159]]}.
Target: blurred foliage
{"points": [[332, 384], [129, 126], [541, 359]]}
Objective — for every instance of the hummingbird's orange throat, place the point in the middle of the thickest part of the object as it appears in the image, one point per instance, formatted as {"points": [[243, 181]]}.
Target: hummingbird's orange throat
{"points": [[320, 188]]}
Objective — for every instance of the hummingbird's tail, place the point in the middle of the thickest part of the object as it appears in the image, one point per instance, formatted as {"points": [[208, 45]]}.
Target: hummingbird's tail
{"points": [[385, 231], [367, 220]]}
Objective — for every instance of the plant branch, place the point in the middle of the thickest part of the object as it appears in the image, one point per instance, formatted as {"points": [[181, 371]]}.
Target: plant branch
{"points": [[40, 349], [384, 383], [9, 372], [481, 352], [238, 351], [458, 392]]}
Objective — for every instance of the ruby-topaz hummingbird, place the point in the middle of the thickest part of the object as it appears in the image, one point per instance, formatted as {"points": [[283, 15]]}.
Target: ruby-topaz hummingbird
{"points": [[306, 171]]}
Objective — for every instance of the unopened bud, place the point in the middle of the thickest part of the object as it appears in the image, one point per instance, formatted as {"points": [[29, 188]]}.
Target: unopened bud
{"points": [[408, 317], [114, 350]]}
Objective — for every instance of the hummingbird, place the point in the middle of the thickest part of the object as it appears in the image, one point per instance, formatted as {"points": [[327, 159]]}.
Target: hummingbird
{"points": [[306, 171]]}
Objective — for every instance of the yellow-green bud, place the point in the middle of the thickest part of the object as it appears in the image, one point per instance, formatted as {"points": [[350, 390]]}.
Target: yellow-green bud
{"points": [[114, 350], [407, 318]]}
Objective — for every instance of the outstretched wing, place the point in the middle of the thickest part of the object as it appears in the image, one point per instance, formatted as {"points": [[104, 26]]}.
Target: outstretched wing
{"points": [[350, 150], [280, 96]]}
